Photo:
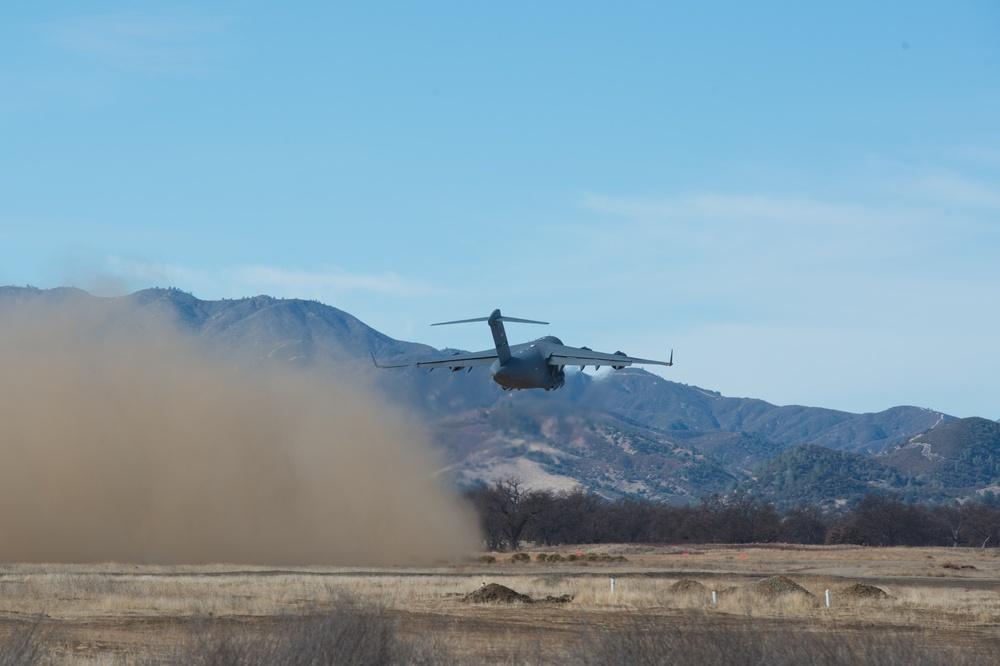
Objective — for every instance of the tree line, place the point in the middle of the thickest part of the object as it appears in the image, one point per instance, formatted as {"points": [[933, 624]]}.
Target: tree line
{"points": [[511, 514]]}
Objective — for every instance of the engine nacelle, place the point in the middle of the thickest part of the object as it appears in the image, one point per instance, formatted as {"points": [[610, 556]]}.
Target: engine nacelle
{"points": [[619, 353], [558, 377]]}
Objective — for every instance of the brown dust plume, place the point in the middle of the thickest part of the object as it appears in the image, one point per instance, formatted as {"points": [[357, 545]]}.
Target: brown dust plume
{"points": [[129, 443]]}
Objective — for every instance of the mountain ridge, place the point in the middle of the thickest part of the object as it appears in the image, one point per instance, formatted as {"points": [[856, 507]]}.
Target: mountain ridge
{"points": [[625, 433]]}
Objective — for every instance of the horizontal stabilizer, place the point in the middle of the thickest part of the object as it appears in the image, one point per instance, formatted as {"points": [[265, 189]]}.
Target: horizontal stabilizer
{"points": [[496, 320], [498, 317]]}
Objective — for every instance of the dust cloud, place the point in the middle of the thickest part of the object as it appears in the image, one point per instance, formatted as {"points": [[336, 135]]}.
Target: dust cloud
{"points": [[125, 441]]}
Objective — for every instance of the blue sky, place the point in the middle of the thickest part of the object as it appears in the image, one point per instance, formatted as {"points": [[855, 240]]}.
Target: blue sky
{"points": [[803, 201]]}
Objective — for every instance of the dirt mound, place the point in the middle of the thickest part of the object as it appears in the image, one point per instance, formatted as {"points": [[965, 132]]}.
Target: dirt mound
{"points": [[500, 594], [959, 567], [495, 594], [777, 586], [561, 599], [862, 591], [687, 586]]}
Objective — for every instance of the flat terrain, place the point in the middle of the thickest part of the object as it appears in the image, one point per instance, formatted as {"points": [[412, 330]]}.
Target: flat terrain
{"points": [[943, 603]]}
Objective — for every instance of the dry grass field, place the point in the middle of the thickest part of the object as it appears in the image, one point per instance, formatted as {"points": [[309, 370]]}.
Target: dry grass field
{"points": [[940, 606]]}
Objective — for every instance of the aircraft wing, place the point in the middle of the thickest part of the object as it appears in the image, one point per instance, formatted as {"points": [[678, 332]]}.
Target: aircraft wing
{"points": [[454, 362], [563, 355]]}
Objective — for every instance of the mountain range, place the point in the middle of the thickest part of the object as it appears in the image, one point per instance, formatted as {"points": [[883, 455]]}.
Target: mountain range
{"points": [[627, 433]]}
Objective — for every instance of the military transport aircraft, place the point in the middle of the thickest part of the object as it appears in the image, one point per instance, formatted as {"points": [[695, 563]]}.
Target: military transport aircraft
{"points": [[537, 364]]}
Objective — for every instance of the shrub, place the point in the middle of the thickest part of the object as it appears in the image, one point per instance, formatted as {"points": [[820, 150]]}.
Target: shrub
{"points": [[645, 641], [25, 643], [347, 634]]}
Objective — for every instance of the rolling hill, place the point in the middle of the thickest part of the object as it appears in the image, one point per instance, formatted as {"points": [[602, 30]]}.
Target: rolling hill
{"points": [[960, 457], [808, 474]]}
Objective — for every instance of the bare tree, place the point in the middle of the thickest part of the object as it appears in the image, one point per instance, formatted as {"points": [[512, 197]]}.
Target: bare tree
{"points": [[505, 510], [981, 525], [953, 518], [803, 525], [510, 501], [482, 500]]}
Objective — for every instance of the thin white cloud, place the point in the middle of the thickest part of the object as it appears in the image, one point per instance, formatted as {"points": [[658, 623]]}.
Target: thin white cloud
{"points": [[328, 285], [860, 367], [926, 243], [757, 235], [986, 153], [760, 212], [919, 218], [151, 43], [953, 190], [332, 280]]}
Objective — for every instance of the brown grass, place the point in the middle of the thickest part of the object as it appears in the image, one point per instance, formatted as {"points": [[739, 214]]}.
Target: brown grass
{"points": [[117, 614]]}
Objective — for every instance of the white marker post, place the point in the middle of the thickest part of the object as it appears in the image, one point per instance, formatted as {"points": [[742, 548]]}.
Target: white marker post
{"points": [[828, 598], [715, 598], [612, 585]]}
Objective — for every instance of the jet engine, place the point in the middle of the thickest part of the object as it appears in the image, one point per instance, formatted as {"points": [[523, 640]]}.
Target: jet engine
{"points": [[558, 377]]}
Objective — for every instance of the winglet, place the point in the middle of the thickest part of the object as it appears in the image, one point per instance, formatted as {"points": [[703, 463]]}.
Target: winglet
{"points": [[374, 361]]}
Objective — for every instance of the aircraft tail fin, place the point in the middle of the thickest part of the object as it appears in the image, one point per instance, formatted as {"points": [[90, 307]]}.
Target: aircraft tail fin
{"points": [[496, 321]]}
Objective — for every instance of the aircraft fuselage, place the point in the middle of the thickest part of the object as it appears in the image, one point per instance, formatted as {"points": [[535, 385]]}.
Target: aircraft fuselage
{"points": [[528, 367]]}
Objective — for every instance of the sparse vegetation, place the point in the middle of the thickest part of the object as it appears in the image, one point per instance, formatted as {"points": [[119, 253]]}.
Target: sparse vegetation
{"points": [[346, 634], [648, 641], [889, 605]]}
